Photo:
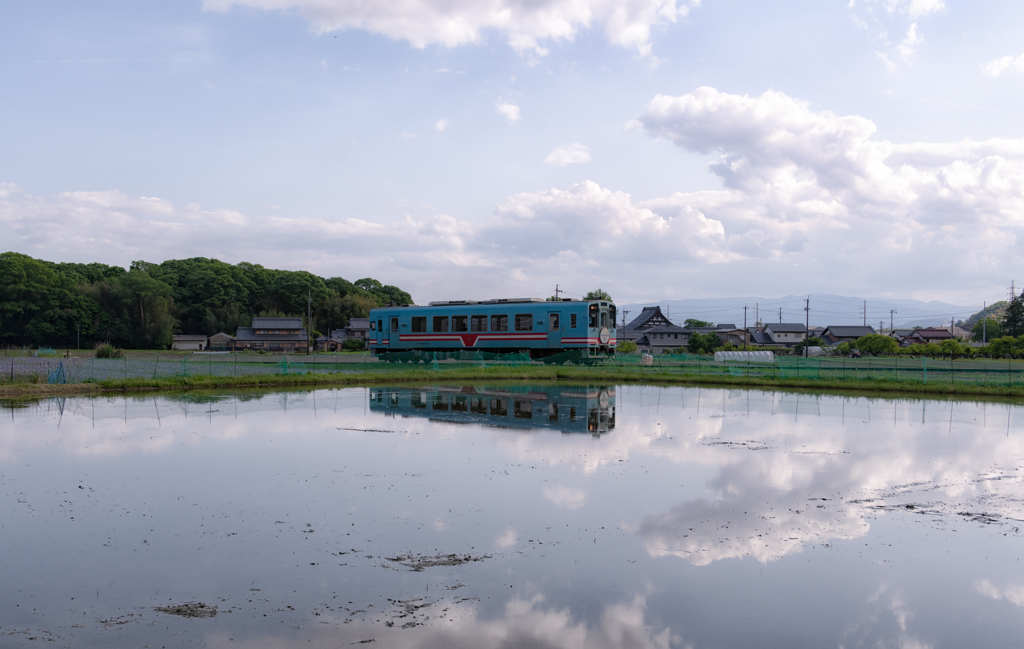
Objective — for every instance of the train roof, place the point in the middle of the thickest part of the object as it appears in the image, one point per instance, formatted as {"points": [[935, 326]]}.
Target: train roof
{"points": [[508, 300]]}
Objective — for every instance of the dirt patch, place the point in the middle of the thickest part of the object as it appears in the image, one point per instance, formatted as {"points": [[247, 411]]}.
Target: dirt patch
{"points": [[418, 563], [188, 609]]}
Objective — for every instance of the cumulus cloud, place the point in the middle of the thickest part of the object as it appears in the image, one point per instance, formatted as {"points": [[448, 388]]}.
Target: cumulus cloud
{"points": [[525, 24], [507, 110], [567, 497], [911, 42], [998, 66], [574, 153], [440, 125], [1013, 593]]}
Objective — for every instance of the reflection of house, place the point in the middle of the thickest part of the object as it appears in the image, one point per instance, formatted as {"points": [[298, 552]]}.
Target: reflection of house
{"points": [[273, 334], [221, 342], [835, 334], [189, 343]]}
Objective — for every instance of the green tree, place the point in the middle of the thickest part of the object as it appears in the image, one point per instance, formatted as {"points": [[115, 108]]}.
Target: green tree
{"points": [[877, 344], [694, 323], [1013, 321], [626, 347], [989, 327], [598, 294], [703, 343]]}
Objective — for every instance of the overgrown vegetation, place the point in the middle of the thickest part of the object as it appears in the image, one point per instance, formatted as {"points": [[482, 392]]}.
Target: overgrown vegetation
{"points": [[48, 303]]}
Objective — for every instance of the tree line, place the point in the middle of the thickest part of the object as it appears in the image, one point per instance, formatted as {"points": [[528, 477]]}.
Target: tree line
{"points": [[44, 303]]}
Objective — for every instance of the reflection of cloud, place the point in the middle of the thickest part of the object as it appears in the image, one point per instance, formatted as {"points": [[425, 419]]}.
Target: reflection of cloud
{"points": [[703, 532], [1013, 594], [507, 539], [523, 623], [567, 497]]}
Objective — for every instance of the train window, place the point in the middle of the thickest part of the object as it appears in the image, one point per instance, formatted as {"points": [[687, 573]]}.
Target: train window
{"points": [[478, 405], [524, 322], [553, 322], [572, 321], [372, 325], [478, 323], [499, 323], [460, 404], [611, 314], [440, 402], [593, 315], [419, 400], [380, 325], [394, 324], [440, 323], [553, 412], [522, 409], [499, 407], [460, 323], [604, 318], [419, 325]]}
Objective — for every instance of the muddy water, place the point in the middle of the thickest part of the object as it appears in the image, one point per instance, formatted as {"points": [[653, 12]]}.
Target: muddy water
{"points": [[576, 516]]}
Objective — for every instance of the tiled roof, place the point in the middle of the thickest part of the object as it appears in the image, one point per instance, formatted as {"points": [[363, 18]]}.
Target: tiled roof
{"points": [[849, 331], [185, 337], [786, 327], [277, 323], [249, 333], [646, 315]]}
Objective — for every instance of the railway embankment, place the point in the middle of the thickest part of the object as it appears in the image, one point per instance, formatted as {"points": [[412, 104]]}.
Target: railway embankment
{"points": [[620, 375]]}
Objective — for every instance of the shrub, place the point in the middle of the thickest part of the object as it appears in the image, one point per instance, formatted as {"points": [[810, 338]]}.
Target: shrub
{"points": [[106, 350], [354, 344], [877, 344], [625, 347], [843, 348]]}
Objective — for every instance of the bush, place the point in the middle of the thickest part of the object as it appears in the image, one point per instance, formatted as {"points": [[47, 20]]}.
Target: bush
{"points": [[106, 350], [626, 347], [354, 344], [877, 344], [703, 343], [844, 349]]}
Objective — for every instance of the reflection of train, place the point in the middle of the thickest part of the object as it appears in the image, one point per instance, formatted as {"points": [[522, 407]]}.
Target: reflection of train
{"points": [[568, 409], [501, 326]]}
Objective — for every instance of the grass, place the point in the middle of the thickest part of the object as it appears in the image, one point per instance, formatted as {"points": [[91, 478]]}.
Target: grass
{"points": [[506, 373]]}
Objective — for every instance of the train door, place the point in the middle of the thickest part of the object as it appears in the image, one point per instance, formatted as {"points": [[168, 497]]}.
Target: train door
{"points": [[554, 329], [380, 334], [393, 333]]}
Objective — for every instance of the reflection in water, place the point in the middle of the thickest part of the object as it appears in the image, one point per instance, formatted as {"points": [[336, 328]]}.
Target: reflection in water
{"points": [[567, 409], [468, 517]]}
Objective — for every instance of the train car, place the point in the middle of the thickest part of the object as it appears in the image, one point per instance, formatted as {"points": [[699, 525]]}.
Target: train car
{"points": [[502, 326], [568, 409]]}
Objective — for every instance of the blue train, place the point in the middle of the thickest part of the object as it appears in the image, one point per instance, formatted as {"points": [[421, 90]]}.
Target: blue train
{"points": [[568, 409], [500, 326]]}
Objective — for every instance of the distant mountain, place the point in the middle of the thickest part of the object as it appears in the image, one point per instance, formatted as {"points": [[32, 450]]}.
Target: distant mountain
{"points": [[996, 311], [825, 309]]}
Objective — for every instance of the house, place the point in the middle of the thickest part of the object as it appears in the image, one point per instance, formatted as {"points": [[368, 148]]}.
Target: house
{"points": [[221, 342], [332, 342], [731, 335], [835, 334], [786, 333], [662, 338], [273, 334], [931, 335], [905, 337], [637, 328], [189, 343]]}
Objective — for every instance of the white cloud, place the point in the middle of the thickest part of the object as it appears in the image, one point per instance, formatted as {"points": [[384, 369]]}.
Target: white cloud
{"points": [[525, 24], [910, 43], [574, 153], [405, 135], [918, 8], [998, 66], [507, 110], [1013, 593], [884, 58], [440, 125]]}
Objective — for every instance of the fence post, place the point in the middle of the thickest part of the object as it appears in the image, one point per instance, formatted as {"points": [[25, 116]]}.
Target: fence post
{"points": [[924, 368], [156, 366], [896, 370]]}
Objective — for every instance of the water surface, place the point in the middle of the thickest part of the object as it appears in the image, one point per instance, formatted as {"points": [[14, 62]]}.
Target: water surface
{"points": [[525, 516]]}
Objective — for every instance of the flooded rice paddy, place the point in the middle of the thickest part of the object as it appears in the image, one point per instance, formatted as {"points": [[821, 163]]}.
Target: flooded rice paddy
{"points": [[540, 516]]}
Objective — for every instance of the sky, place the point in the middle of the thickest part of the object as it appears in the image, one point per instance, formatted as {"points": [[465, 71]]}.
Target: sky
{"points": [[473, 149]]}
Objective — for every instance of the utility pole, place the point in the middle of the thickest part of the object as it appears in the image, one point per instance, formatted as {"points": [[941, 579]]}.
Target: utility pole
{"points": [[807, 322], [557, 291], [983, 323], [309, 321], [624, 314], [891, 311], [745, 332], [780, 315], [864, 309]]}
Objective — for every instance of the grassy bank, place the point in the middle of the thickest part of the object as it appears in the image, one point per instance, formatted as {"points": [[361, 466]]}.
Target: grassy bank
{"points": [[503, 373]]}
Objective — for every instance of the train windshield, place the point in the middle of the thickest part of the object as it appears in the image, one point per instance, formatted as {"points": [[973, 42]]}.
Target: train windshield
{"points": [[611, 313], [594, 310]]}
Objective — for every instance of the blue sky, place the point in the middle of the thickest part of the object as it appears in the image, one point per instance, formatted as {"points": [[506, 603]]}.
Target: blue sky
{"points": [[657, 148]]}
